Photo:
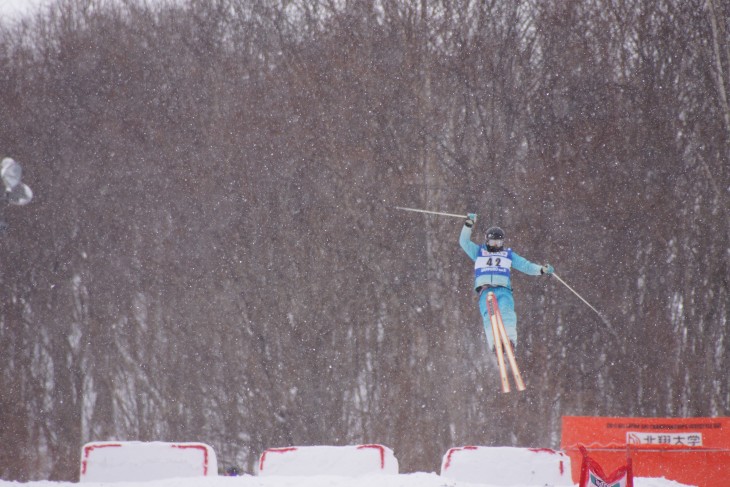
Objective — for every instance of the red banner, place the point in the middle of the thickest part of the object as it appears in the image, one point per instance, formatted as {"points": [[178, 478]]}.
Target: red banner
{"points": [[694, 451]]}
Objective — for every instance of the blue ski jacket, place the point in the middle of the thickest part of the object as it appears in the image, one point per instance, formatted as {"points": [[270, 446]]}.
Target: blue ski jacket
{"points": [[493, 268]]}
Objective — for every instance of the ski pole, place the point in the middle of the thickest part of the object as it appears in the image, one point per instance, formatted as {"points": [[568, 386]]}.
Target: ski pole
{"points": [[573, 290], [605, 321], [431, 212]]}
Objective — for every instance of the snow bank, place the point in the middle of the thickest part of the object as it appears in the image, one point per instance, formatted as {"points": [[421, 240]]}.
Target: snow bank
{"points": [[410, 480], [507, 466], [142, 461], [348, 461]]}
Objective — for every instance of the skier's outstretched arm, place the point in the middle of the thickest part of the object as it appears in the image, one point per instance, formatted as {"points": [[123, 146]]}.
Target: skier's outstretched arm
{"points": [[471, 249], [524, 265]]}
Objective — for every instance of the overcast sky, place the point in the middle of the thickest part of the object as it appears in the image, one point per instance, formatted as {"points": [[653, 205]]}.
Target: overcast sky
{"points": [[18, 7]]}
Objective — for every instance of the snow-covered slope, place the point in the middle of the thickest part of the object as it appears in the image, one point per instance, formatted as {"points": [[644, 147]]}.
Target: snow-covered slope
{"points": [[403, 480], [348, 466]]}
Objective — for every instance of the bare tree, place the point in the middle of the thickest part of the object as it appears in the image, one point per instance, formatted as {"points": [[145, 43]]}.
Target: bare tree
{"points": [[213, 255]]}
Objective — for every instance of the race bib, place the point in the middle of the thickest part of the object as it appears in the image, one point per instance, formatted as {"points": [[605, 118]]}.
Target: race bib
{"points": [[493, 263]]}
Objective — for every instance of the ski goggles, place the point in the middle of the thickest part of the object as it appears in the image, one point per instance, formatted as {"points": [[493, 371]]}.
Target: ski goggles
{"points": [[496, 243]]}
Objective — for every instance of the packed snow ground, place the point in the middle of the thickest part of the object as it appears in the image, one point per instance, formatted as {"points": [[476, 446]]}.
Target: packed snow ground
{"points": [[402, 480], [348, 466]]}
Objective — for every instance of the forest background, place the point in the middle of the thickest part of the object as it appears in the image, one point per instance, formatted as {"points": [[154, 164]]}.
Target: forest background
{"points": [[212, 253]]}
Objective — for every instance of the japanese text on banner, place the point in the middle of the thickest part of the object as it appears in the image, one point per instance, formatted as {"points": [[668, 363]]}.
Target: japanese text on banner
{"points": [[664, 439]]}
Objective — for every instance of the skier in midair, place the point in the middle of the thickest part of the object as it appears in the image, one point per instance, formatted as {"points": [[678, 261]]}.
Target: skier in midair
{"points": [[492, 268]]}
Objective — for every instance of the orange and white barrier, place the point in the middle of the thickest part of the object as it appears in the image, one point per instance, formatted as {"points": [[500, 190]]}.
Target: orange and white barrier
{"points": [[131, 461], [350, 461], [507, 466]]}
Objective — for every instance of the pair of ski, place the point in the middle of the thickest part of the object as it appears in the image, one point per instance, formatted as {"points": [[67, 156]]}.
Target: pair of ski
{"points": [[503, 346]]}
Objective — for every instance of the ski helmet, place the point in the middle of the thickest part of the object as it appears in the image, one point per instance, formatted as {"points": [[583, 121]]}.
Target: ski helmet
{"points": [[495, 238]]}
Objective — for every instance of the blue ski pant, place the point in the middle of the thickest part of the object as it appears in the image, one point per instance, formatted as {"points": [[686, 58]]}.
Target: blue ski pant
{"points": [[506, 304]]}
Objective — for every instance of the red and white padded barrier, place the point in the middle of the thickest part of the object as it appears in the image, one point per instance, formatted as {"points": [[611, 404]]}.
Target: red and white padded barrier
{"points": [[349, 461], [132, 461], [506, 466]]}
